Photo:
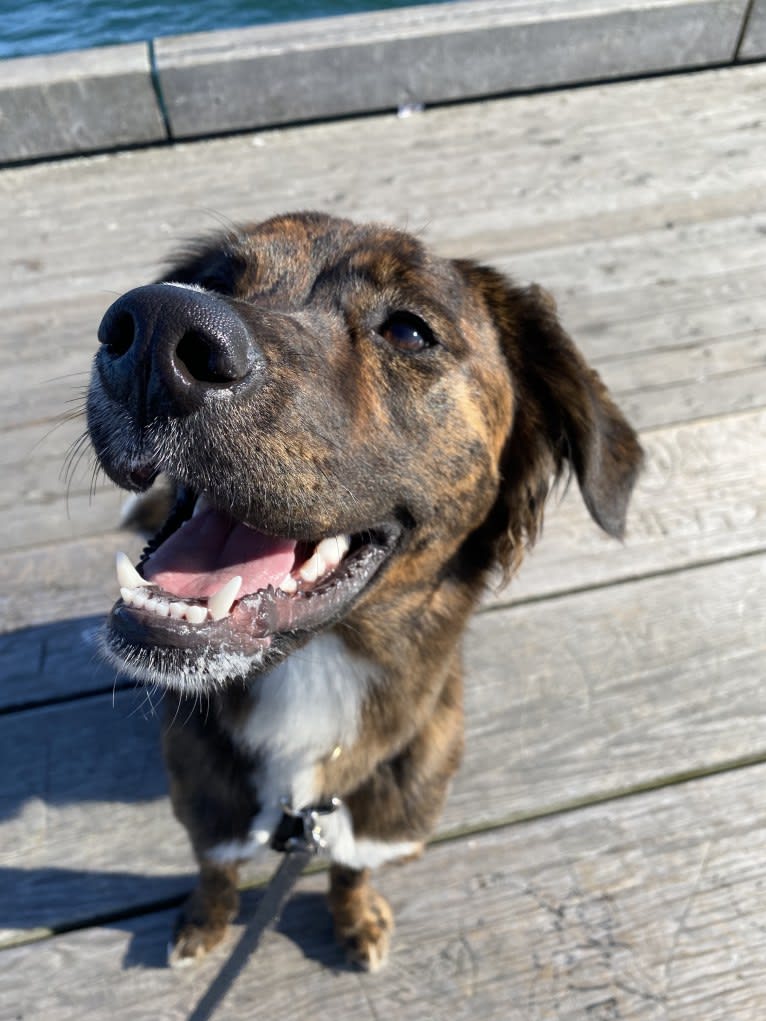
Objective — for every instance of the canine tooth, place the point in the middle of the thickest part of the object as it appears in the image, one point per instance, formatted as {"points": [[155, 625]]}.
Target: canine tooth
{"points": [[313, 568], [221, 602], [288, 584], [195, 614], [333, 549], [127, 595], [127, 575]]}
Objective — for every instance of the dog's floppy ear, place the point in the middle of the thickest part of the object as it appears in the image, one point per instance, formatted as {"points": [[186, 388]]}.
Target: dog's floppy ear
{"points": [[563, 418]]}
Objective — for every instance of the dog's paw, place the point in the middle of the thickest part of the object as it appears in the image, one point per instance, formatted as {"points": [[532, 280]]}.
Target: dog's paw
{"points": [[205, 917], [193, 942], [364, 922], [367, 940]]}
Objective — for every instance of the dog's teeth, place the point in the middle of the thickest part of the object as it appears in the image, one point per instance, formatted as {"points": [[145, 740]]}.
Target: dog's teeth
{"points": [[313, 568], [195, 614], [326, 556], [221, 602], [202, 504], [159, 607], [134, 597], [333, 549], [127, 575], [288, 584]]}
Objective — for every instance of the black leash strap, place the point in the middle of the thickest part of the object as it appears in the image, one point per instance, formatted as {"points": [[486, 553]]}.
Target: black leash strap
{"points": [[299, 836]]}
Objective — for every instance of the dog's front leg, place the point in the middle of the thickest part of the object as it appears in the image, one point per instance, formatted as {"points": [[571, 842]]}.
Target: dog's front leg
{"points": [[213, 798], [363, 919], [387, 819], [205, 917]]}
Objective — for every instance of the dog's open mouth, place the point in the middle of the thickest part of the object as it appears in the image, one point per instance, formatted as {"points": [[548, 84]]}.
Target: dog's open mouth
{"points": [[208, 581]]}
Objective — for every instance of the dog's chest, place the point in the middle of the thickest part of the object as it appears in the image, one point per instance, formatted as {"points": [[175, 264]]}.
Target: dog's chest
{"points": [[302, 710]]}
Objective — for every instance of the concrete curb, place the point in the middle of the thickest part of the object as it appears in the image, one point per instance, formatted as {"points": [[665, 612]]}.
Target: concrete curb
{"points": [[216, 82], [81, 101], [754, 41]]}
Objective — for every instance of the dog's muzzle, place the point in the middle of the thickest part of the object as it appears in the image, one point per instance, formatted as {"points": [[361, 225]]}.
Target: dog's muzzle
{"points": [[214, 595]]}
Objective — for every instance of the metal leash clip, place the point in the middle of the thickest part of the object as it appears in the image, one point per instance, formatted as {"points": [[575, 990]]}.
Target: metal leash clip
{"points": [[301, 829]]}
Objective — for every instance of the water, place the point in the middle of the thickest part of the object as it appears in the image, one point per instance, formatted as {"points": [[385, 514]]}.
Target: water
{"points": [[47, 26]]}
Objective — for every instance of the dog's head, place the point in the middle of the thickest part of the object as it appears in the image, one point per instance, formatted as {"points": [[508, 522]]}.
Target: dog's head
{"points": [[349, 421]]}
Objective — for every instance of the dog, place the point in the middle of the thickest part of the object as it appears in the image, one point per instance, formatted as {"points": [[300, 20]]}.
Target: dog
{"points": [[359, 436]]}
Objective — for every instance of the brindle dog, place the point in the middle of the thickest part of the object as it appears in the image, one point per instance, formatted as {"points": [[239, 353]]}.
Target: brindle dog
{"points": [[359, 435]]}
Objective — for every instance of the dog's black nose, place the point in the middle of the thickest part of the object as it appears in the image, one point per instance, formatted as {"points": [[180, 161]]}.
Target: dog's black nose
{"points": [[167, 347]]}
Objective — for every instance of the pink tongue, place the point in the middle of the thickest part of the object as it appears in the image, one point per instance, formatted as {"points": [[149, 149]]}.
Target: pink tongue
{"points": [[210, 549]]}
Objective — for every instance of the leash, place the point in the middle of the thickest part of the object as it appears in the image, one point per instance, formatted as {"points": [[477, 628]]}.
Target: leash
{"points": [[299, 837]]}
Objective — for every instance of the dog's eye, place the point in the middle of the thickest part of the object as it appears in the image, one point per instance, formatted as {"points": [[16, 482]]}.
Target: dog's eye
{"points": [[407, 332]]}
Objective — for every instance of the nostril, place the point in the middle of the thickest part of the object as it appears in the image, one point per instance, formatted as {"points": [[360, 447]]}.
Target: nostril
{"points": [[166, 348], [121, 333], [205, 359]]}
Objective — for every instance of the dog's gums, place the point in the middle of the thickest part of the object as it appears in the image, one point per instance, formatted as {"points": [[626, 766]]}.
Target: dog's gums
{"points": [[209, 580]]}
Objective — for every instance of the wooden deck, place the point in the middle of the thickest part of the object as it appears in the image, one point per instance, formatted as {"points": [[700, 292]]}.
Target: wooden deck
{"points": [[603, 855]]}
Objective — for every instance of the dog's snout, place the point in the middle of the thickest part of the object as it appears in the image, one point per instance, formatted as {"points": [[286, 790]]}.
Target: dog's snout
{"points": [[170, 346]]}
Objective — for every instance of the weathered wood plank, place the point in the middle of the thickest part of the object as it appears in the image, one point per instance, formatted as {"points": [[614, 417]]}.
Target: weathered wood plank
{"points": [[570, 699], [665, 311], [720, 395], [598, 182], [55, 495], [643, 909], [559, 146], [578, 694], [62, 580], [52, 661], [547, 138], [700, 499], [109, 789], [622, 273], [550, 206]]}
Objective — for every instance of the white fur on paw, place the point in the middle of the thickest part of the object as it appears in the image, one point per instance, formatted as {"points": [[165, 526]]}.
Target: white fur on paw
{"points": [[177, 960]]}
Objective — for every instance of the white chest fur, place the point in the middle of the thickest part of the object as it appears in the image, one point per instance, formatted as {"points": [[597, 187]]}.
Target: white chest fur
{"points": [[308, 704], [305, 708]]}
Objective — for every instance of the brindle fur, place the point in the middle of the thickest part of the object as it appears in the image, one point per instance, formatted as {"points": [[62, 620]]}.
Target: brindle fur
{"points": [[460, 444]]}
